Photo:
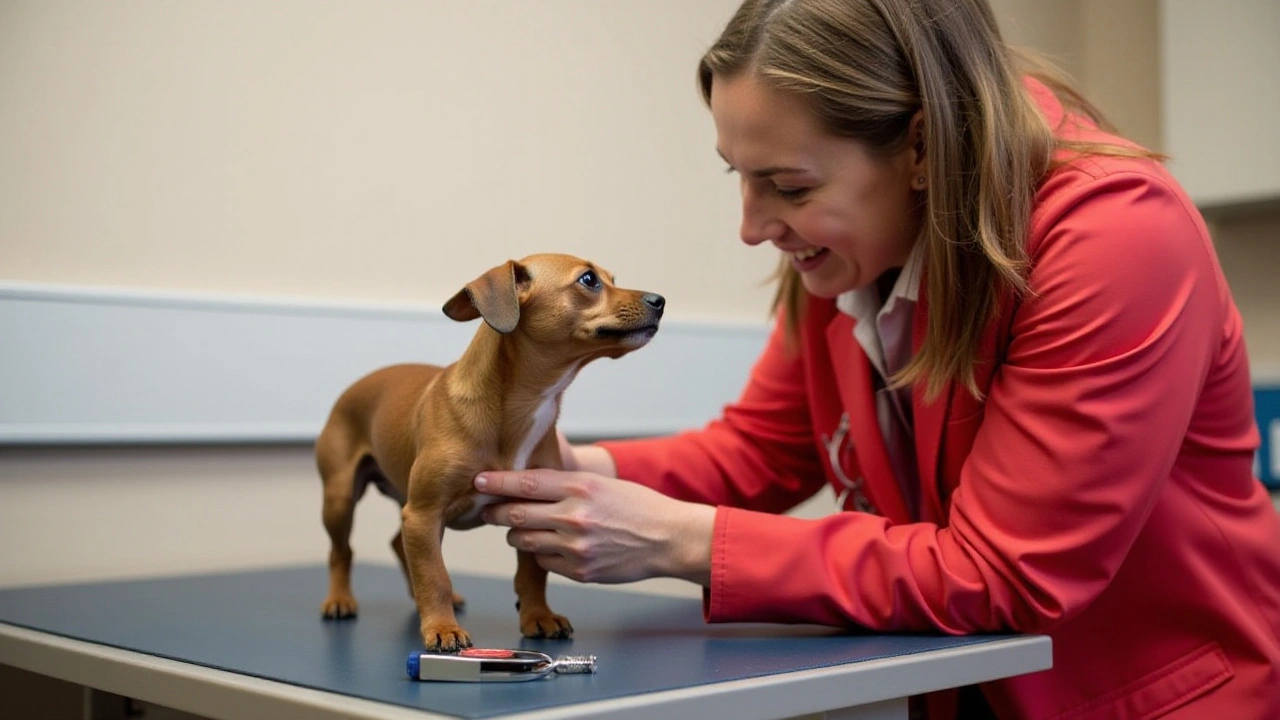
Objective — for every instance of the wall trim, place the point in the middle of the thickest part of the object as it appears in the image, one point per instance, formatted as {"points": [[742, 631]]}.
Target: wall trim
{"points": [[96, 365]]}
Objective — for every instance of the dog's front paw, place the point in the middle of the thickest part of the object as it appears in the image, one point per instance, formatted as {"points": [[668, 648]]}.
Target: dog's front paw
{"points": [[444, 637], [545, 624], [338, 606]]}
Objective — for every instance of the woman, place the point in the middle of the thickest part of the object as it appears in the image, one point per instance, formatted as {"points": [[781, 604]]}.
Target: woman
{"points": [[1003, 338]]}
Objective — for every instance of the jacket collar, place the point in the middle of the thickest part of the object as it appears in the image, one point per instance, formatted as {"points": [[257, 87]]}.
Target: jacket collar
{"points": [[938, 464], [854, 381]]}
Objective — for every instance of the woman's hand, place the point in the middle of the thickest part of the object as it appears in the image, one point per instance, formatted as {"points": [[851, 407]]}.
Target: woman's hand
{"points": [[593, 528]]}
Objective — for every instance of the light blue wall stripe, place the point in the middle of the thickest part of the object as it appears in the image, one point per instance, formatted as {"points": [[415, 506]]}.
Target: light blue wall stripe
{"points": [[94, 365]]}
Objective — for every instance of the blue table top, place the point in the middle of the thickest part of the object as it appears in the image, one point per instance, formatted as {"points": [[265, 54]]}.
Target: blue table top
{"points": [[267, 624]]}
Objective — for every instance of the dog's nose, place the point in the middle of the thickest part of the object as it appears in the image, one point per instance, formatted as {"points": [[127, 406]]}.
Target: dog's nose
{"points": [[655, 301]]}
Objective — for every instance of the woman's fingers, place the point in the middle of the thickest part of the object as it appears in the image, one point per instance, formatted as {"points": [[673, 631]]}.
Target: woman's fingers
{"points": [[557, 495], [564, 555], [527, 515], [541, 484], [594, 528], [538, 542]]}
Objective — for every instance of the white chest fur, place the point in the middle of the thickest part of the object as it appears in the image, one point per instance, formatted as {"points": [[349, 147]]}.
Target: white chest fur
{"points": [[543, 417]]}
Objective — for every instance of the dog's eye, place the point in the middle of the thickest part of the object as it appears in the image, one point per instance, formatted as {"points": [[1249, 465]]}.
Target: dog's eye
{"points": [[589, 280]]}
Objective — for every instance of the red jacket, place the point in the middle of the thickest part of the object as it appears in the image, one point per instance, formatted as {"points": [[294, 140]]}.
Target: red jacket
{"points": [[1102, 493]]}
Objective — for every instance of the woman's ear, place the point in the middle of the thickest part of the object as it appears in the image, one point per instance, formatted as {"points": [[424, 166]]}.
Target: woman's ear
{"points": [[916, 140]]}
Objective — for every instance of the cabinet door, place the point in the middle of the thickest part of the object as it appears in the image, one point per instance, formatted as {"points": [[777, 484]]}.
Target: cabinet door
{"points": [[1221, 98]]}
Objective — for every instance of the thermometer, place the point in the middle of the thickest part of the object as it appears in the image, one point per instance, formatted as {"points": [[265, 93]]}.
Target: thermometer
{"points": [[484, 665]]}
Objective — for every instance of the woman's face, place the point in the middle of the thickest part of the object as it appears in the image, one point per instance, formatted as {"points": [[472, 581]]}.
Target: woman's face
{"points": [[841, 214]]}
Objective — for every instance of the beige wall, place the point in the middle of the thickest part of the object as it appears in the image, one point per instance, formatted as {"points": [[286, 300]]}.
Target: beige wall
{"points": [[385, 150], [1112, 49]]}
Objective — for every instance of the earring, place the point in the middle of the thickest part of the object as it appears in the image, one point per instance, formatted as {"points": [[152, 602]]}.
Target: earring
{"points": [[920, 181]]}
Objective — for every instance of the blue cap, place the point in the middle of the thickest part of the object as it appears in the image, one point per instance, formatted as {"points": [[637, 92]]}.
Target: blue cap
{"points": [[411, 665]]}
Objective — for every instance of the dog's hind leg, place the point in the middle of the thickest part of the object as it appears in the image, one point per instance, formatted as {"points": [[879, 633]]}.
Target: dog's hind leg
{"points": [[339, 477], [397, 544]]}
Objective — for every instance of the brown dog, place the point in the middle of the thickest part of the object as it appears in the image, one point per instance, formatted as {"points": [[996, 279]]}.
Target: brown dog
{"points": [[421, 433]]}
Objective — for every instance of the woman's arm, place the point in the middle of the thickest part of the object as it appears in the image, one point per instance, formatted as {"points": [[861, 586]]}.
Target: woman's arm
{"points": [[761, 453]]}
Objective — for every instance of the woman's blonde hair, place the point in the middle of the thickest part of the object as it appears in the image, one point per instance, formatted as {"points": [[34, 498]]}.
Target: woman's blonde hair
{"points": [[865, 68]]}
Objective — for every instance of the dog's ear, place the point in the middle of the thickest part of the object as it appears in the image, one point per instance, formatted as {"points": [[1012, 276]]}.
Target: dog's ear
{"points": [[494, 296]]}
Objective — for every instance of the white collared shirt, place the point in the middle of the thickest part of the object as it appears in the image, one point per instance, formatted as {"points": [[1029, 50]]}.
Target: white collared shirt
{"points": [[884, 332]]}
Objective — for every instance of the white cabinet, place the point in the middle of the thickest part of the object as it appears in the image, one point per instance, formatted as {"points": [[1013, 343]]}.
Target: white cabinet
{"points": [[1220, 87]]}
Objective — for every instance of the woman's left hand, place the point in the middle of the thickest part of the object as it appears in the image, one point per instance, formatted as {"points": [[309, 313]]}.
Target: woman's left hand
{"points": [[593, 528]]}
